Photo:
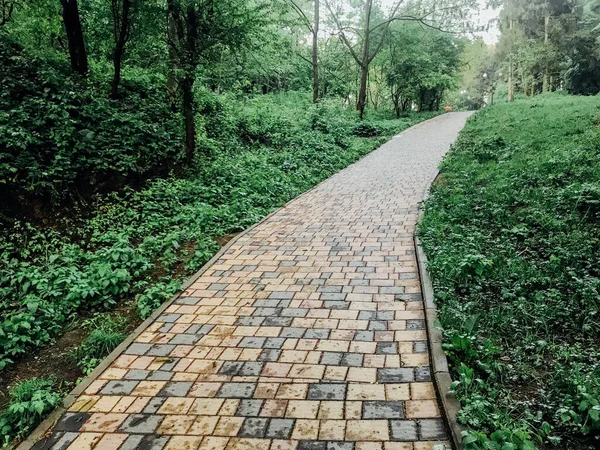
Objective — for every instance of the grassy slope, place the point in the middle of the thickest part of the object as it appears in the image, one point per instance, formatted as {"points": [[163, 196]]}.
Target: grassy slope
{"points": [[512, 233]]}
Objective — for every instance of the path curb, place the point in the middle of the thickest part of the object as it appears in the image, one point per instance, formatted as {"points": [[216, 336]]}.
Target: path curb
{"points": [[439, 361]]}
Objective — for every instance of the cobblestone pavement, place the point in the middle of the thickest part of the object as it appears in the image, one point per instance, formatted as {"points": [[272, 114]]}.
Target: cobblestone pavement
{"points": [[308, 333]]}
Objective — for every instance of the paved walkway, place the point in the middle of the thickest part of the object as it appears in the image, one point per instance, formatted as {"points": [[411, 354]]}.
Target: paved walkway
{"points": [[307, 334]]}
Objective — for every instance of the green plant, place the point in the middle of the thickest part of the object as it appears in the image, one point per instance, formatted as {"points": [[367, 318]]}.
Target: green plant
{"points": [[29, 401], [106, 333]]}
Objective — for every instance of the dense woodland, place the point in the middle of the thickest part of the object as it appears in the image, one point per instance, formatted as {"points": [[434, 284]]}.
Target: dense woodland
{"points": [[544, 46], [136, 136]]}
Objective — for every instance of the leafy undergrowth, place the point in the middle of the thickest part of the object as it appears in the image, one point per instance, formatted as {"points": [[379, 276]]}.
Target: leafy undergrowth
{"points": [[136, 245], [512, 234]]}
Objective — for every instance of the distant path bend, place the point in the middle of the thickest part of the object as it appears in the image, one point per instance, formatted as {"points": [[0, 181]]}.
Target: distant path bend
{"points": [[307, 333]]}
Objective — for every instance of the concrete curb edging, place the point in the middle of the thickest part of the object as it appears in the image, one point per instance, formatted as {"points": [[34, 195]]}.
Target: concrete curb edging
{"points": [[45, 427], [439, 361]]}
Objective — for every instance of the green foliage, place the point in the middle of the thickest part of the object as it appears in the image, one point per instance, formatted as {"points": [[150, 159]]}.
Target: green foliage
{"points": [[155, 295], [30, 400], [365, 129], [60, 136], [106, 333], [511, 231]]}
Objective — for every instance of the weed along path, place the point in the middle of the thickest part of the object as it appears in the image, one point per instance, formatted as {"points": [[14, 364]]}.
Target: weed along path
{"points": [[306, 332]]}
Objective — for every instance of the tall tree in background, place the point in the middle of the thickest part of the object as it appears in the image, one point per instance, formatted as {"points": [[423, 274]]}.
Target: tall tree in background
{"points": [[121, 13], [372, 30], [313, 28], [198, 27], [72, 22]]}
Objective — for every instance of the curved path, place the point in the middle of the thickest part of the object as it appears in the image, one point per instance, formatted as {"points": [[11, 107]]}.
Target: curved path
{"points": [[307, 333]]}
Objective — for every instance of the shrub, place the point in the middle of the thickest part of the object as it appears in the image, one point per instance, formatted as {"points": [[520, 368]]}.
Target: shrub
{"points": [[365, 129], [29, 401]]}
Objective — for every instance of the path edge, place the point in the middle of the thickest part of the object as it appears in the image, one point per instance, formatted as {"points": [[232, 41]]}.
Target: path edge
{"points": [[439, 361], [51, 420]]}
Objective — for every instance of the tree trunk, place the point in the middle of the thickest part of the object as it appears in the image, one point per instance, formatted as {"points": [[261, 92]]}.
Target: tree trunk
{"points": [[77, 53], [188, 117], [121, 39], [511, 86], [545, 84], [315, 54], [364, 66]]}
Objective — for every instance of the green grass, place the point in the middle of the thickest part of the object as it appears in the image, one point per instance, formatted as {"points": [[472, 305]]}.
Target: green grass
{"points": [[512, 234]]}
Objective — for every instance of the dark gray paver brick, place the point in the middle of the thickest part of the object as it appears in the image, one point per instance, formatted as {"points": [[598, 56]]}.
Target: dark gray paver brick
{"points": [[312, 445], [352, 359], [254, 428], [331, 358], [175, 389], [379, 409], [403, 430], [251, 369], [395, 375], [432, 429], [141, 423], [338, 445], [269, 355], [249, 407], [137, 349], [118, 387], [71, 421], [317, 333], [420, 347], [327, 391], [422, 374], [362, 335], [387, 348], [280, 428], [160, 350]]}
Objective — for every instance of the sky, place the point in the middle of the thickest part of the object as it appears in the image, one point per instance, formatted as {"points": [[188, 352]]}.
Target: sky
{"points": [[483, 17]]}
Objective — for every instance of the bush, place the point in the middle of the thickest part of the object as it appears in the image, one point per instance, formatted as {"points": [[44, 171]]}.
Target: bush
{"points": [[30, 400], [61, 138], [366, 130]]}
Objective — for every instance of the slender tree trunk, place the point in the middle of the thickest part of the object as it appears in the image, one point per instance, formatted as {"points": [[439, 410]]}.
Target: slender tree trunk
{"points": [[364, 66], [122, 36], [315, 54], [511, 86], [545, 84], [77, 53], [188, 117]]}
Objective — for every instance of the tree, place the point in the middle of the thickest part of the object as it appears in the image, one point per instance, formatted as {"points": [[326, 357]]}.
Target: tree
{"points": [[365, 39], [121, 12], [199, 26], [77, 53], [313, 28]]}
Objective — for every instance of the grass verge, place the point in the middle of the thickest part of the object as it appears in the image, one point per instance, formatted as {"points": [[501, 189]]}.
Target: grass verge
{"points": [[512, 233]]}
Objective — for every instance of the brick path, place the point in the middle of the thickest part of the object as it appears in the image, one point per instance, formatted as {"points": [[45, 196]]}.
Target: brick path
{"points": [[308, 333]]}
